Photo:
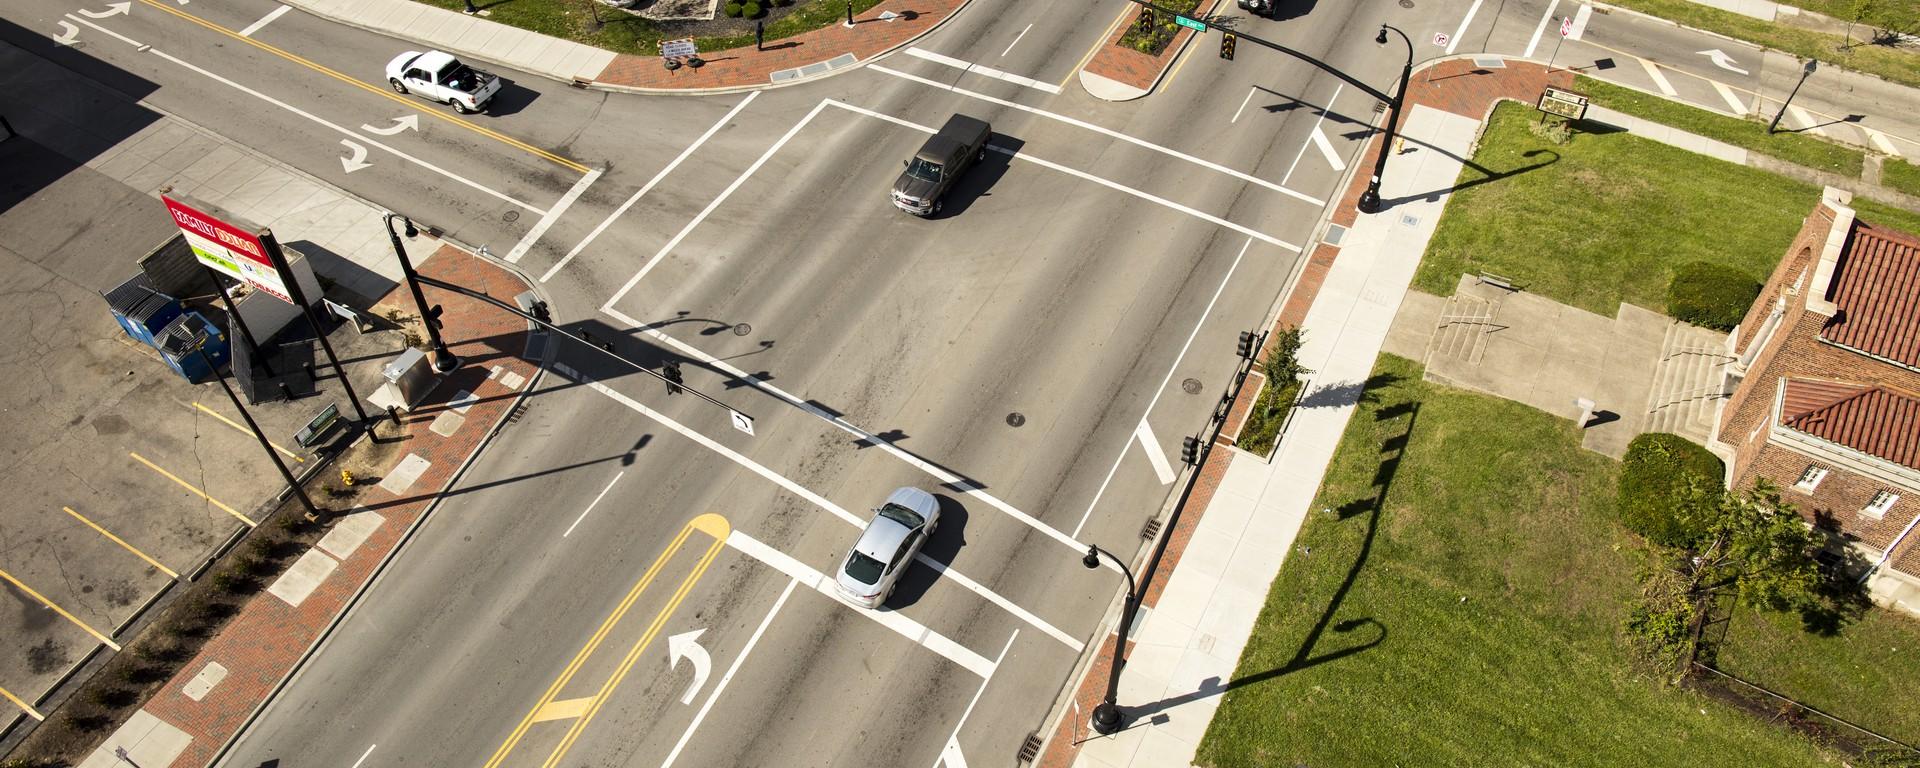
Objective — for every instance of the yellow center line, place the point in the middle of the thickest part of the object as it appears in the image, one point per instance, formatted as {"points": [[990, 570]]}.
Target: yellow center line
{"points": [[397, 98], [59, 610], [196, 491], [1097, 43], [31, 712], [546, 708], [124, 545], [248, 432]]}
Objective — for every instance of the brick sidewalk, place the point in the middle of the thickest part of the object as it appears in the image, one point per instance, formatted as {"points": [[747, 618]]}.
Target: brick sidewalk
{"points": [[264, 642], [1456, 86], [746, 67]]}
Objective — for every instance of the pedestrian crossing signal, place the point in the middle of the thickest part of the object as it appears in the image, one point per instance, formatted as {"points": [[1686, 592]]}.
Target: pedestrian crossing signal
{"points": [[1146, 19], [1226, 45]]}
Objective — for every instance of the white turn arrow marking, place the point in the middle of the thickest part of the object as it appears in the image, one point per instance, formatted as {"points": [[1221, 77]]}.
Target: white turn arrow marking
{"points": [[68, 32], [686, 645], [410, 122], [113, 9], [357, 161], [1722, 60]]}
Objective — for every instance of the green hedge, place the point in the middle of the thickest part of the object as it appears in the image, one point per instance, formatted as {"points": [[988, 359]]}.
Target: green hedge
{"points": [[1153, 40], [1710, 295], [1658, 467]]}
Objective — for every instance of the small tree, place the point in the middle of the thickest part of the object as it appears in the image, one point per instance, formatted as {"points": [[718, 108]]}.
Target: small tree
{"points": [[1861, 12], [1283, 363]]}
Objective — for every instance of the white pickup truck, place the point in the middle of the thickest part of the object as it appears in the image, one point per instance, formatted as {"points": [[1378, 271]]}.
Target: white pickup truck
{"points": [[440, 77]]}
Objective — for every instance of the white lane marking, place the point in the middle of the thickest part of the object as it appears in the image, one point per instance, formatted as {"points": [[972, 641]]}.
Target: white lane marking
{"points": [[1462, 31], [1806, 120], [68, 33], [297, 111], [113, 9], [1155, 456], [402, 123], [894, 620], [1580, 18], [1326, 148], [1316, 126], [1078, 123], [1722, 60], [970, 67], [1880, 140], [622, 210], [1659, 78], [1016, 40], [1158, 391], [546, 219], [708, 211], [591, 505], [1243, 104], [1733, 101], [950, 755], [731, 669], [686, 645], [264, 20], [1534, 42], [823, 503], [363, 755], [358, 160]]}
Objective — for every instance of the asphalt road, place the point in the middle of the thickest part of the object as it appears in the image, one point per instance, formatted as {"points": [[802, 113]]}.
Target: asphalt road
{"points": [[1029, 356]]}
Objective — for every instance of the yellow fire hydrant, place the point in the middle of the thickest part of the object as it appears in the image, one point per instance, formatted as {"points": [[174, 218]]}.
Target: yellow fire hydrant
{"points": [[346, 477]]}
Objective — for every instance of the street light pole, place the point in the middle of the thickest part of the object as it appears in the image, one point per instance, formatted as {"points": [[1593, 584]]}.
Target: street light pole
{"points": [[443, 358], [1806, 71], [1370, 199], [1106, 716]]}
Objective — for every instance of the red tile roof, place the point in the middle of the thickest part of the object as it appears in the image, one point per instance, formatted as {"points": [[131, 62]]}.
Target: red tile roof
{"points": [[1876, 287], [1873, 420]]}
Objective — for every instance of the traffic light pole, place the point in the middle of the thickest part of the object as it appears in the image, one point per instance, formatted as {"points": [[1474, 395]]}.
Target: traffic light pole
{"points": [[443, 359], [1370, 199]]}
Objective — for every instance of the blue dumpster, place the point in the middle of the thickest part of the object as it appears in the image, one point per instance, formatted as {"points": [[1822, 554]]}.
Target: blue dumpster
{"points": [[140, 310], [179, 345]]}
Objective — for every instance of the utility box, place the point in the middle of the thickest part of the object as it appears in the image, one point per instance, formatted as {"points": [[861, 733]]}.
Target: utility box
{"points": [[140, 310], [409, 377]]}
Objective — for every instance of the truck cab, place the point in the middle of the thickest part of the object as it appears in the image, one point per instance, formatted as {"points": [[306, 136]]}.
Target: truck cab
{"points": [[438, 76], [939, 163]]}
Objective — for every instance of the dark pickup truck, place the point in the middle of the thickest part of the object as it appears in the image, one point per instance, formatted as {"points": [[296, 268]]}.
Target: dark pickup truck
{"points": [[933, 170]]}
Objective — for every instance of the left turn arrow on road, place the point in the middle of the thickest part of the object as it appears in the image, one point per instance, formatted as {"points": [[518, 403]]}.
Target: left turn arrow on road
{"points": [[687, 645]]}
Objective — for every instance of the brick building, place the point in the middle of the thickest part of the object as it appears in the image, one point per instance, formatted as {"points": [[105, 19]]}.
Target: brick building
{"points": [[1825, 390]]}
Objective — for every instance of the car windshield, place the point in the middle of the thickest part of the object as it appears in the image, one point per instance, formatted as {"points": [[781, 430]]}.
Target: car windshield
{"points": [[902, 515], [864, 569], [923, 170]]}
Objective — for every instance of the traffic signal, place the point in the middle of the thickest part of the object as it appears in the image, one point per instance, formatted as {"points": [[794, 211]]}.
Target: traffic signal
{"points": [[1248, 346], [541, 312], [1226, 45], [433, 316], [1190, 451], [672, 371], [1146, 19]]}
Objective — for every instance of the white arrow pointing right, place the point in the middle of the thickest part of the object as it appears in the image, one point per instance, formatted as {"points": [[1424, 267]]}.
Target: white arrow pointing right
{"points": [[113, 9], [357, 161], [1722, 60], [687, 645], [410, 122], [68, 33]]}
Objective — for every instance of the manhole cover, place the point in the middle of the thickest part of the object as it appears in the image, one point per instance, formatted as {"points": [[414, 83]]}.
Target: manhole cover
{"points": [[1406, 3], [1015, 419], [1190, 386], [510, 217], [742, 329]]}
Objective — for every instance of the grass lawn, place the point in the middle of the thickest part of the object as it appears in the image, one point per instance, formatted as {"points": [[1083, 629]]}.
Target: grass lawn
{"points": [[1865, 674], [1469, 618], [1900, 66], [1903, 220], [1607, 217], [1751, 134], [1903, 13], [623, 32], [1900, 175]]}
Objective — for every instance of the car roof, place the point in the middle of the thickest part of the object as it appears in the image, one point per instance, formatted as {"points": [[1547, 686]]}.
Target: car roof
{"points": [[433, 61], [937, 150], [881, 539]]}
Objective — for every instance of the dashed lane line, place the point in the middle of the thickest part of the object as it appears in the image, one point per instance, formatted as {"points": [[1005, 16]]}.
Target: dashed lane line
{"points": [[265, 20], [972, 68], [546, 219]]}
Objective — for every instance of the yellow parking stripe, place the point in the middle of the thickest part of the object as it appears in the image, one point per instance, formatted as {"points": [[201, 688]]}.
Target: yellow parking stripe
{"points": [[247, 432], [31, 712], [59, 610], [547, 709], [196, 491], [412, 104], [123, 544]]}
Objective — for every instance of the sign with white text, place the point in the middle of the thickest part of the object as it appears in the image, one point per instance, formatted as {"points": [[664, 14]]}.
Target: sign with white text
{"points": [[228, 248]]}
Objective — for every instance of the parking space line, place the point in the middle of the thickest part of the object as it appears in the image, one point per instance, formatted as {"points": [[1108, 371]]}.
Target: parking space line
{"points": [[196, 491], [1540, 29], [1807, 123], [123, 544], [1880, 140], [244, 430], [1155, 456], [1078, 123], [1016, 41], [1243, 104], [546, 219], [594, 503], [264, 20], [1726, 93], [17, 584], [1326, 149], [893, 620], [24, 706], [622, 210], [741, 658], [1316, 129], [1158, 391], [970, 67], [848, 517], [1659, 79], [950, 755]]}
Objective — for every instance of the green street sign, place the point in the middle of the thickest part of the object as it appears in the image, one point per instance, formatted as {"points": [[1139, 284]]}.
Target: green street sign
{"points": [[1193, 24]]}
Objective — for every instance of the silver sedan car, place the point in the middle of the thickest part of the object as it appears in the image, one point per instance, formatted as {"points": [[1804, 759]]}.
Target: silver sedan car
{"points": [[898, 529]]}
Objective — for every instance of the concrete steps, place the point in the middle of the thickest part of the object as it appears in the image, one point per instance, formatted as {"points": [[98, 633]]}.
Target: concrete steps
{"points": [[1460, 333], [1687, 389]]}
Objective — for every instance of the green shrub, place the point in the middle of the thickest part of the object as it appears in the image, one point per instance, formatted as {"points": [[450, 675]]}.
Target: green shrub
{"points": [[734, 9], [750, 10], [1710, 295], [1658, 469]]}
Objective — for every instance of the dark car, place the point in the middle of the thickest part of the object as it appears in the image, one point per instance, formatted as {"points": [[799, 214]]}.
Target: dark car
{"points": [[933, 170]]}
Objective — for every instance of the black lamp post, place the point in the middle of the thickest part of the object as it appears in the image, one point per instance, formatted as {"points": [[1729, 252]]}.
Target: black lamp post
{"points": [[443, 359], [1806, 71], [1106, 717], [1370, 199]]}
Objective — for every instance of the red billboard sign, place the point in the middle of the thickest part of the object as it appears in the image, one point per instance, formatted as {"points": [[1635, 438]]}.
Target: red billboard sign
{"points": [[227, 248]]}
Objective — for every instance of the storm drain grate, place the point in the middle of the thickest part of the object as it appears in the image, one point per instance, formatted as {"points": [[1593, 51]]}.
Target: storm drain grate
{"points": [[1150, 530], [1029, 749]]}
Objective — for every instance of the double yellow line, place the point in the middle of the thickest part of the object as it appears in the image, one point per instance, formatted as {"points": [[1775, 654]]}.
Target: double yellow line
{"points": [[382, 92], [581, 710]]}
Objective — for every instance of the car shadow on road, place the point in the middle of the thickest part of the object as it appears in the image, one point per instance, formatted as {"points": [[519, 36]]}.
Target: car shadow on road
{"points": [[940, 548], [511, 99], [982, 177]]}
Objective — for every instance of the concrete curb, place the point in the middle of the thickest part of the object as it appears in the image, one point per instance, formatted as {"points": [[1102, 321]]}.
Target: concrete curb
{"points": [[1102, 80]]}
